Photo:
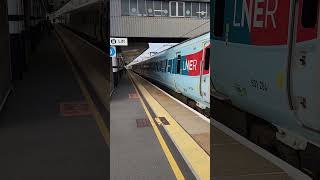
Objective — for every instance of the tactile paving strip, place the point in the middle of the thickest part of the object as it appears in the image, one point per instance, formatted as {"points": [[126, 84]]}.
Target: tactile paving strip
{"points": [[143, 123], [70, 109], [133, 96]]}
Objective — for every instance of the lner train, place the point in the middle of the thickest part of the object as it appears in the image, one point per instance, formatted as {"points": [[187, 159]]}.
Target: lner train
{"points": [[89, 19], [266, 68], [184, 68]]}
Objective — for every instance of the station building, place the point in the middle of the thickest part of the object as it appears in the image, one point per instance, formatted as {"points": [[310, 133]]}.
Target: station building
{"points": [[143, 21]]}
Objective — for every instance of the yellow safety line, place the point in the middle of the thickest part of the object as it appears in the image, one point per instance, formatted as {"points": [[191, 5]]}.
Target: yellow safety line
{"points": [[196, 157], [99, 120], [176, 170]]}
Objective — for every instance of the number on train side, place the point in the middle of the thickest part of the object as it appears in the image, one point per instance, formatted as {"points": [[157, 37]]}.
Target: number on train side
{"points": [[259, 85]]}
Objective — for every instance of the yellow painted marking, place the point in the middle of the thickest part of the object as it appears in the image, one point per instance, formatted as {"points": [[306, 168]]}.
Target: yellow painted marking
{"points": [[279, 79], [197, 159], [99, 120], [158, 121], [176, 170]]}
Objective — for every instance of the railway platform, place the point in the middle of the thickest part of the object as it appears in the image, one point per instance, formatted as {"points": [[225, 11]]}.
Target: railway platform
{"points": [[235, 157], [50, 126], [151, 139], [155, 136]]}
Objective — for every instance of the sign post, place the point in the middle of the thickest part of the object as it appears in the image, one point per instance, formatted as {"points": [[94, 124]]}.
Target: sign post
{"points": [[113, 51]]}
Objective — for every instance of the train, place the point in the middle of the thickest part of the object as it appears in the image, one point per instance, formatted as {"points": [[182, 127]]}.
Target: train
{"points": [[265, 68], [183, 68], [90, 20]]}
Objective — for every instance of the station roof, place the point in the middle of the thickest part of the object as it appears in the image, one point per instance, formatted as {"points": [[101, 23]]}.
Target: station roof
{"points": [[56, 4]]}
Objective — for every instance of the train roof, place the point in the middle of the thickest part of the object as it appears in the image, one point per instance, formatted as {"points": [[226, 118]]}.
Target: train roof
{"points": [[161, 52], [190, 39]]}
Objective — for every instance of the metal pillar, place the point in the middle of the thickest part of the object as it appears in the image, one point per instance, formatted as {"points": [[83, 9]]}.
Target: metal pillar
{"points": [[27, 33], [5, 67], [16, 28]]}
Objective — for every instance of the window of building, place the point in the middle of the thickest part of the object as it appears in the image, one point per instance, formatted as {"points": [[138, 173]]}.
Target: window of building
{"points": [[188, 9], [176, 8], [149, 7], [165, 8], [125, 7], [208, 10], [181, 9], [203, 10], [141, 7], [157, 8], [173, 8], [195, 9], [133, 4]]}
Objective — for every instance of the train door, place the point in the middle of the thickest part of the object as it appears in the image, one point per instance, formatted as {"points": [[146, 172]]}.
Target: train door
{"points": [[177, 71], [204, 72], [304, 66]]}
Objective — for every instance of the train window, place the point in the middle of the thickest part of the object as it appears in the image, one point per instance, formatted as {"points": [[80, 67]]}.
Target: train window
{"points": [[309, 13], [169, 65], [178, 64], [165, 65], [161, 66], [207, 59], [219, 18]]}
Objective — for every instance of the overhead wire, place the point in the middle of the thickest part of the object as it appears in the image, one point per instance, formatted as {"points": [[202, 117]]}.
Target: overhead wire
{"points": [[181, 36]]}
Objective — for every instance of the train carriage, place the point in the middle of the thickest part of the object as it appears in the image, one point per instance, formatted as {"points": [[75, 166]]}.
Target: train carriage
{"points": [[184, 68], [266, 63]]}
